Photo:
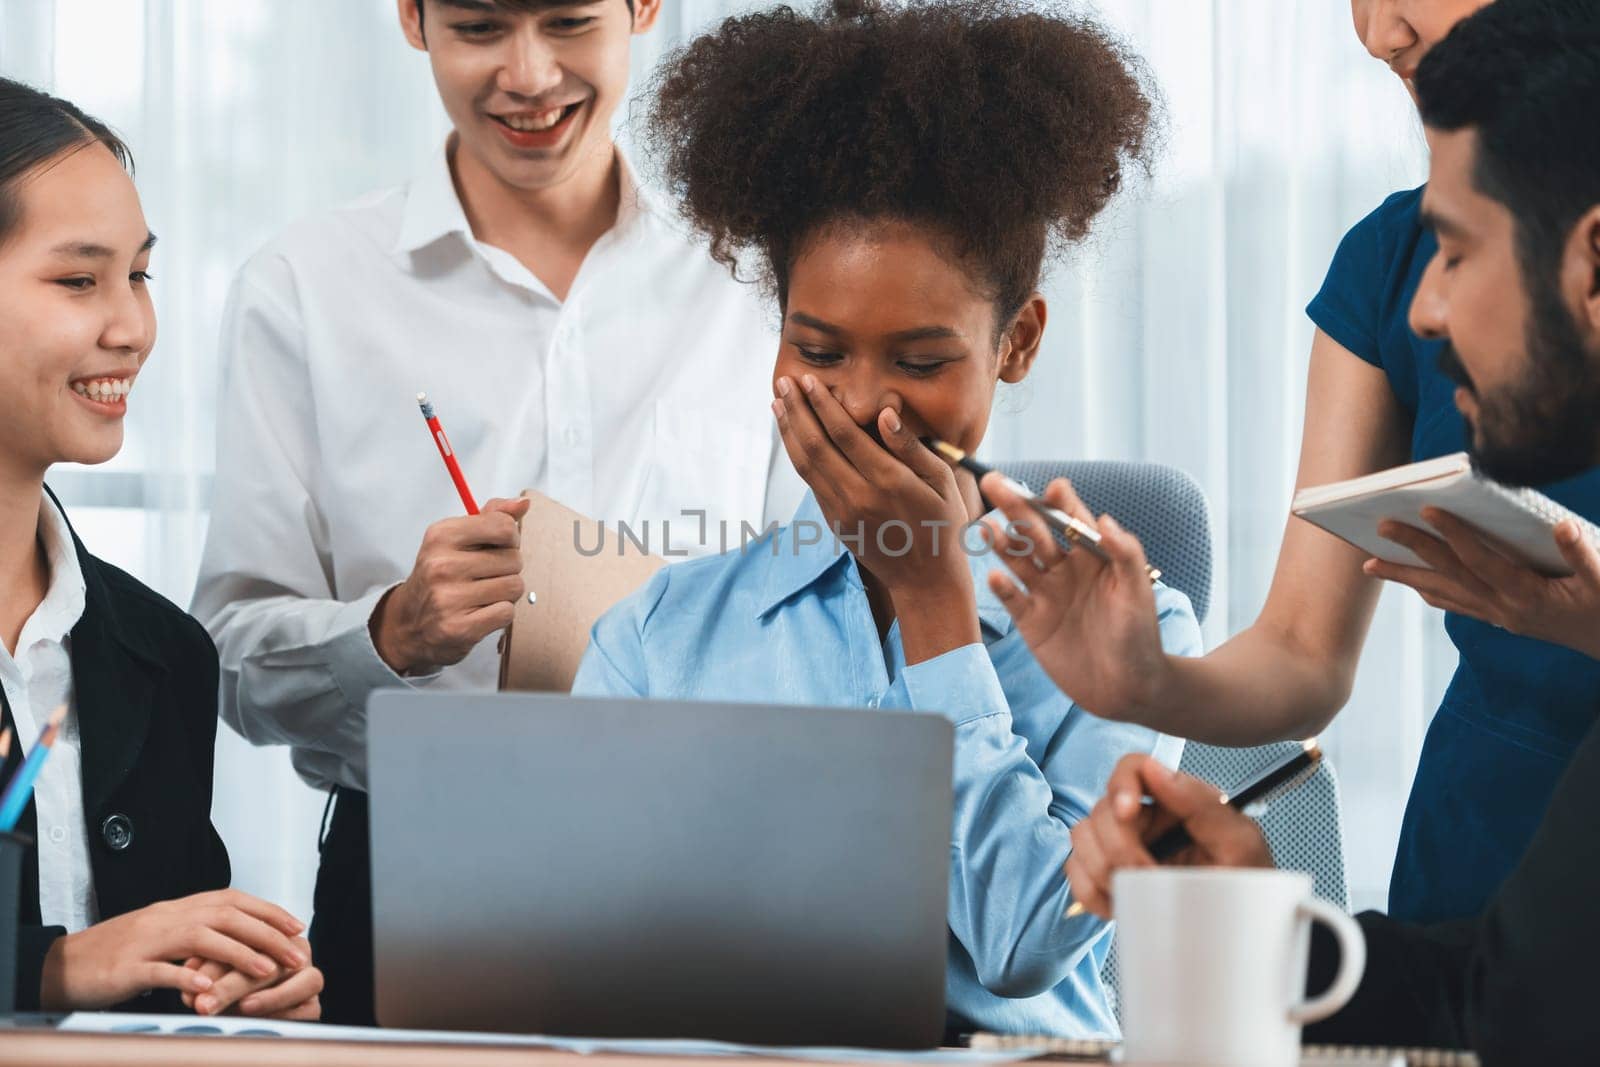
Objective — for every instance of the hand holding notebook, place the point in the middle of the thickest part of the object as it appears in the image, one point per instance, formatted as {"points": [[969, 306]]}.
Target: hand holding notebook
{"points": [[1511, 557]]}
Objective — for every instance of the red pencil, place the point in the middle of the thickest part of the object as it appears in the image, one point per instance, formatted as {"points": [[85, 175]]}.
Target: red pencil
{"points": [[447, 453]]}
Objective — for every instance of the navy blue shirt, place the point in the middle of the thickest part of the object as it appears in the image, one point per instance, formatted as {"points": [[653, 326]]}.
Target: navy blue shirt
{"points": [[1516, 708]]}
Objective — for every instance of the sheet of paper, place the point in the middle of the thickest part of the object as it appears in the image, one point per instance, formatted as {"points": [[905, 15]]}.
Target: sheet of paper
{"points": [[107, 1022]]}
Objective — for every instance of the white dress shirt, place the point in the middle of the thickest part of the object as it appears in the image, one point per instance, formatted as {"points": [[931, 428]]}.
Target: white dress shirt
{"points": [[37, 680], [644, 393]]}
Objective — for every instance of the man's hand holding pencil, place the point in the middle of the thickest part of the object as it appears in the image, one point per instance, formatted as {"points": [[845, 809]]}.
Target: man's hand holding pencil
{"points": [[463, 587], [466, 581]]}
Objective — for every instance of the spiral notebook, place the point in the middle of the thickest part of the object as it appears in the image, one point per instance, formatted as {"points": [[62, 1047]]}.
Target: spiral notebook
{"points": [[1070, 1050], [1518, 522]]}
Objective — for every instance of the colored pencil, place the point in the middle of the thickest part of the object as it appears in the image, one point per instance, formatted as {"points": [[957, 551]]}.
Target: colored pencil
{"points": [[20, 788], [447, 454]]}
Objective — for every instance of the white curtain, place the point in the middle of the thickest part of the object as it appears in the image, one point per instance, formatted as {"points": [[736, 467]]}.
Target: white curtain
{"points": [[1177, 333]]}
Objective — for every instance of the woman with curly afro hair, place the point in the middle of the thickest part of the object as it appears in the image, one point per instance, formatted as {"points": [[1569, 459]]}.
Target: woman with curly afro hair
{"points": [[896, 177]]}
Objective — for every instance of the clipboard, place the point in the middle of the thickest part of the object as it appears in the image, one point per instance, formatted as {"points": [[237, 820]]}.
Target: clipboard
{"points": [[570, 584]]}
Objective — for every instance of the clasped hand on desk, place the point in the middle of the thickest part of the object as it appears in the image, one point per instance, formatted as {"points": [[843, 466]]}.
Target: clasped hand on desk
{"points": [[237, 947]]}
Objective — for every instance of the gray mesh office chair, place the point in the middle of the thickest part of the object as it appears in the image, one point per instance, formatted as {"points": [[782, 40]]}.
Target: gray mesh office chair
{"points": [[1167, 511], [1303, 827]]}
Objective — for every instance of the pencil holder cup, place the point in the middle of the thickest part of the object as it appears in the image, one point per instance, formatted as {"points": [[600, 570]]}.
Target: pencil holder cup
{"points": [[12, 848]]}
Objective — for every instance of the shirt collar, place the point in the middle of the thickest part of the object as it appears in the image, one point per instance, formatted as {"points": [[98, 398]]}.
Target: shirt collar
{"points": [[795, 566], [63, 601], [433, 210], [90, 604], [636, 201]]}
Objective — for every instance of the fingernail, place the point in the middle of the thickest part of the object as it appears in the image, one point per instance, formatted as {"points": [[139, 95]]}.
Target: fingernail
{"points": [[205, 1005], [1116, 527], [808, 383], [297, 958], [784, 387], [202, 981], [777, 408], [892, 419], [1127, 804], [263, 966], [248, 1005]]}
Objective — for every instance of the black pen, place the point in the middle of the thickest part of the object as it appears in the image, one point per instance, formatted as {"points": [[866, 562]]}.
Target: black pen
{"points": [[1283, 775], [1076, 531]]}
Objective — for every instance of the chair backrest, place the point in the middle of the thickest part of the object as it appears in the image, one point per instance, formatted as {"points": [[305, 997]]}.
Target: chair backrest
{"points": [[1162, 506], [1303, 827]]}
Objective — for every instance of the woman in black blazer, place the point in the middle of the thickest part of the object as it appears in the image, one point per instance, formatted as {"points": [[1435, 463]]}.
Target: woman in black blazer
{"points": [[124, 895]]}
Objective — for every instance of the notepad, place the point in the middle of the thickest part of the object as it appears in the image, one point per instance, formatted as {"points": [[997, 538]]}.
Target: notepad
{"points": [[266, 1029], [1518, 523]]}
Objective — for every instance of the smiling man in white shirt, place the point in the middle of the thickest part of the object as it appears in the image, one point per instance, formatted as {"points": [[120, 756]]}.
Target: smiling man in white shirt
{"points": [[573, 340]]}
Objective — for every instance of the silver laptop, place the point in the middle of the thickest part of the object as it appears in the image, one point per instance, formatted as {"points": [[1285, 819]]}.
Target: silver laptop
{"points": [[624, 868]]}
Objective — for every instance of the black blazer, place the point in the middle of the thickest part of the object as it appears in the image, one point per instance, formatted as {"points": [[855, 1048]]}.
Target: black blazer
{"points": [[145, 683], [1514, 984]]}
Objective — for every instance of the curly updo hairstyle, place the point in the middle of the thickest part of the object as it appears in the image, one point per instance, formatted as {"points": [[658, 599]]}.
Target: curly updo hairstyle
{"points": [[1001, 129]]}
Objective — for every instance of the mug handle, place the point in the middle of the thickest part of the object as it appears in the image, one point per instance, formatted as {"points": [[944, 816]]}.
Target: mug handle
{"points": [[1352, 962]]}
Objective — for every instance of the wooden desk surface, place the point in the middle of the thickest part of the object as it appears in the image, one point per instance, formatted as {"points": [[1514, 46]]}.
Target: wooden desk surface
{"points": [[42, 1048]]}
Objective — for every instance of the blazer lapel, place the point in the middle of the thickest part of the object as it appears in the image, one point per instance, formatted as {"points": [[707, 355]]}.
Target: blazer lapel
{"points": [[114, 677], [114, 694]]}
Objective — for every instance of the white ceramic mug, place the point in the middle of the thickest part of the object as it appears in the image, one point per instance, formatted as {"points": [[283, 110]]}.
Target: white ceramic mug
{"points": [[1212, 964]]}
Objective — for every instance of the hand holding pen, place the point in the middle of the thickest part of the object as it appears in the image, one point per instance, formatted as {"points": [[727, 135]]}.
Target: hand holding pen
{"points": [[1122, 831], [1071, 531], [1091, 623]]}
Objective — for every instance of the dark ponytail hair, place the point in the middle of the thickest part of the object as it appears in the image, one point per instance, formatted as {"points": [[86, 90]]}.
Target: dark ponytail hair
{"points": [[36, 128]]}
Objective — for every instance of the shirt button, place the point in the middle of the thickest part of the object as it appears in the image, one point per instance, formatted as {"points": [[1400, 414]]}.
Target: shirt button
{"points": [[872, 702], [58, 834], [570, 437], [117, 831]]}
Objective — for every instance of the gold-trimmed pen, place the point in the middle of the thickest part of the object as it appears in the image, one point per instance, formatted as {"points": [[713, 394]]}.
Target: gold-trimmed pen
{"points": [[1075, 530]]}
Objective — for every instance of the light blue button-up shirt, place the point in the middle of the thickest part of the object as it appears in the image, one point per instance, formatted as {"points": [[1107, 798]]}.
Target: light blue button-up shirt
{"points": [[787, 622]]}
